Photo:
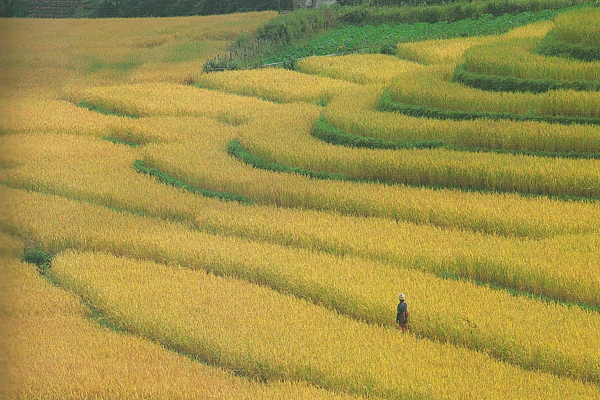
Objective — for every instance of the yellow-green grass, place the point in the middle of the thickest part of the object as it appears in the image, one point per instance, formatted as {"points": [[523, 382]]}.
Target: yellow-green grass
{"points": [[275, 84], [361, 289], [55, 348], [100, 172], [269, 335], [44, 58], [363, 68], [578, 27], [515, 58], [431, 88], [354, 111], [439, 51], [451, 51]]}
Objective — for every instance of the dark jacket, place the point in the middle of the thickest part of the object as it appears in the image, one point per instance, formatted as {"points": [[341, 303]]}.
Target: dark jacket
{"points": [[402, 312]]}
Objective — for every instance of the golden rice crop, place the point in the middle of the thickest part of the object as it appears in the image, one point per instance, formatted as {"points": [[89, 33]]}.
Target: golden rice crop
{"points": [[355, 105], [271, 340], [353, 111], [430, 88], [167, 99], [186, 163], [348, 198], [451, 51], [439, 51], [226, 105], [10, 247], [363, 68], [53, 116], [215, 170], [274, 84], [51, 146], [100, 173], [181, 72], [45, 57], [578, 27], [291, 144], [515, 57], [352, 286], [54, 350]]}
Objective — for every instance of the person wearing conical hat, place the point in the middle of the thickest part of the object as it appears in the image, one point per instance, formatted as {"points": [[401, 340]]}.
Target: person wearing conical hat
{"points": [[402, 312]]}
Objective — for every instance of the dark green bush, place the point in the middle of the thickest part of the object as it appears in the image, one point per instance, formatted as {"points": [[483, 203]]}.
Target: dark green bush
{"points": [[389, 48], [221, 64], [38, 256], [299, 24]]}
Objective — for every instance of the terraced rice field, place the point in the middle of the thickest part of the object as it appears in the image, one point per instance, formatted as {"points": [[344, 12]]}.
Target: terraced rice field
{"points": [[245, 234]]}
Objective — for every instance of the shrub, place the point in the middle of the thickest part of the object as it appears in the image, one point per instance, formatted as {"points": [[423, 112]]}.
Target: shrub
{"points": [[38, 256]]}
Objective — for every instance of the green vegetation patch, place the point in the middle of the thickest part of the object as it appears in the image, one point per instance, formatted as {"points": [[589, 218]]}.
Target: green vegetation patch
{"points": [[168, 179], [102, 110], [188, 51], [124, 142], [378, 38], [38, 256], [93, 65], [341, 30]]}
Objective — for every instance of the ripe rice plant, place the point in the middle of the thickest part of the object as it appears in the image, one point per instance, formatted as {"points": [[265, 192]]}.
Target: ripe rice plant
{"points": [[363, 68], [526, 217], [451, 51], [272, 340], [492, 59], [439, 51], [86, 179], [50, 336], [353, 111], [274, 84], [216, 171], [578, 27], [80, 174], [573, 36], [439, 168], [323, 278], [37, 116], [148, 100], [475, 168], [46, 57], [430, 88]]}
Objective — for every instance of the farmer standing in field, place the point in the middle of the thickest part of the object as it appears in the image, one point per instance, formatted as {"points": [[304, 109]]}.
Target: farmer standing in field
{"points": [[402, 312]]}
